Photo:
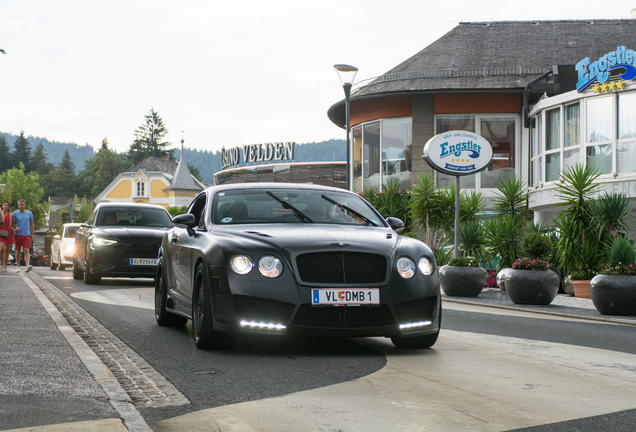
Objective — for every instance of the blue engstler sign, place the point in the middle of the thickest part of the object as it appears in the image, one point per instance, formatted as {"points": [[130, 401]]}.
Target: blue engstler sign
{"points": [[600, 70]]}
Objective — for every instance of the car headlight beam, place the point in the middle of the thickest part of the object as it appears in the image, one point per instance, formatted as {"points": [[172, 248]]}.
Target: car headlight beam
{"points": [[241, 264], [98, 241], [270, 266], [405, 267], [426, 266]]}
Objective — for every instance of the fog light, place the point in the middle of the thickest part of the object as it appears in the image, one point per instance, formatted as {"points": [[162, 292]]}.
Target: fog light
{"points": [[415, 324], [262, 325]]}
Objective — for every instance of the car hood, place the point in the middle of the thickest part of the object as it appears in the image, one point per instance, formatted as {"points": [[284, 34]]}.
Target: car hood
{"points": [[132, 234], [312, 237]]}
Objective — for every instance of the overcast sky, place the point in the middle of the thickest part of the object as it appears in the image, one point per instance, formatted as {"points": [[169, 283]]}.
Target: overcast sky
{"points": [[226, 73]]}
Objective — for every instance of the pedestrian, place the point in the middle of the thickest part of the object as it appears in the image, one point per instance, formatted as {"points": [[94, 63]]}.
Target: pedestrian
{"points": [[24, 233], [5, 241]]}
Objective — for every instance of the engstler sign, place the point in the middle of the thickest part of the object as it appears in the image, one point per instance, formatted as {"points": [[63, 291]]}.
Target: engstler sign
{"points": [[458, 153]]}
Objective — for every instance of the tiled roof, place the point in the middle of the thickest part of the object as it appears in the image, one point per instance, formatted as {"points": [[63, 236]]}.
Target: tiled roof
{"points": [[459, 58], [182, 179], [154, 164]]}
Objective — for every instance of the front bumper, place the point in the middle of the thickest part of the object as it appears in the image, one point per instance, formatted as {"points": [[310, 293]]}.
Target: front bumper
{"points": [[114, 261]]}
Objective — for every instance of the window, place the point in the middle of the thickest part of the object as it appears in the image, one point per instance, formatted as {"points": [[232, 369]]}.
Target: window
{"points": [[140, 188], [626, 146], [552, 144], [599, 128]]}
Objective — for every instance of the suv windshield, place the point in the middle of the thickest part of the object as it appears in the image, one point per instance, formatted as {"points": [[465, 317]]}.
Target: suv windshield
{"points": [[137, 217], [292, 206]]}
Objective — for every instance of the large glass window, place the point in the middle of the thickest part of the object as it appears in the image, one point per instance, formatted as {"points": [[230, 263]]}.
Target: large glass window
{"points": [[500, 133], [553, 129], [356, 138], [599, 119], [396, 151], [371, 155], [572, 125], [626, 147]]}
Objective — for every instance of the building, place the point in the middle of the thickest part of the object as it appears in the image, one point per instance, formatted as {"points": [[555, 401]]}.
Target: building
{"points": [[545, 94], [154, 180]]}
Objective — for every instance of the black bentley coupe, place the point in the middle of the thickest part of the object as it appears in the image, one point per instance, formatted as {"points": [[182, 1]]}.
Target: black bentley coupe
{"points": [[120, 240], [294, 259]]}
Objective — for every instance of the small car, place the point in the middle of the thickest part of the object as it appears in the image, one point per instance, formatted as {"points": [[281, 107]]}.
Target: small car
{"points": [[63, 246], [120, 240], [294, 259]]}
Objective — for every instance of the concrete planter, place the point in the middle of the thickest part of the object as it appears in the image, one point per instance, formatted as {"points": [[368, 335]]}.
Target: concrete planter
{"points": [[534, 287], [460, 281], [614, 295]]}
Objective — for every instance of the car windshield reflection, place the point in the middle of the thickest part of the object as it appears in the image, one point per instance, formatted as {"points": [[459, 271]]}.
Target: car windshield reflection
{"points": [[133, 217], [292, 206]]}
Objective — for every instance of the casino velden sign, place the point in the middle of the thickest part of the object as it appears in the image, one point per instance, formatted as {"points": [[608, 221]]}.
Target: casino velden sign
{"points": [[458, 153], [257, 153]]}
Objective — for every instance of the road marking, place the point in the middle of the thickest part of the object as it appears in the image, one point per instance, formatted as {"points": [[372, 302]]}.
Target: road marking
{"points": [[117, 396], [58, 277]]}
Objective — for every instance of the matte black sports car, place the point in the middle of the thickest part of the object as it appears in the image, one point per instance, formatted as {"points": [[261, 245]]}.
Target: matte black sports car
{"points": [[120, 240], [294, 259]]}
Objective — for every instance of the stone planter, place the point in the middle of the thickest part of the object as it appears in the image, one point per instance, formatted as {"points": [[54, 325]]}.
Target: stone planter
{"points": [[501, 278], [534, 287], [614, 295], [581, 288], [460, 281]]}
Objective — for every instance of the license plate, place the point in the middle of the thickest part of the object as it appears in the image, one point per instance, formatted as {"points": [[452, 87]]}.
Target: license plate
{"points": [[144, 261], [345, 297]]}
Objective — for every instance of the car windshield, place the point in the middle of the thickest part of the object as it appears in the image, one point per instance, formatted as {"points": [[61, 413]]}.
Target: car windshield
{"points": [[292, 206], [133, 216]]}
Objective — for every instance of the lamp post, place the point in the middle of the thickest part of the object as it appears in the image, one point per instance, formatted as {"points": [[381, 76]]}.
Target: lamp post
{"points": [[347, 74], [78, 207]]}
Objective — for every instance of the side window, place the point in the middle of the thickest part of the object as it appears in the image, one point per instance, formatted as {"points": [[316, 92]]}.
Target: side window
{"points": [[91, 218], [197, 208]]}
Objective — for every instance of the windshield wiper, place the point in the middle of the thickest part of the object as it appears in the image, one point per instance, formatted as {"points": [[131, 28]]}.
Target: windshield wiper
{"points": [[300, 215], [343, 207]]}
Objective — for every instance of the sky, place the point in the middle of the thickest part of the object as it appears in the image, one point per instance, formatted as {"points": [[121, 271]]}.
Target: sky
{"points": [[219, 73]]}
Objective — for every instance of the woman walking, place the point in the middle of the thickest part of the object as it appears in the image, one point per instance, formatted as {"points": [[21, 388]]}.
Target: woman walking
{"points": [[5, 242]]}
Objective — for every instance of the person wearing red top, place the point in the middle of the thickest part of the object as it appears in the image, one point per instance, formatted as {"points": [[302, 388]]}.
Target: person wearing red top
{"points": [[5, 242]]}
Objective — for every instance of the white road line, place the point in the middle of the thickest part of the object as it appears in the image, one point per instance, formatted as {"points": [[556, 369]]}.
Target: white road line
{"points": [[117, 396]]}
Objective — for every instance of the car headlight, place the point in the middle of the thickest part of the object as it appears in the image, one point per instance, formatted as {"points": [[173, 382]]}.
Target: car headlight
{"points": [[426, 266], [405, 267], [69, 248], [98, 241], [270, 266], [241, 264]]}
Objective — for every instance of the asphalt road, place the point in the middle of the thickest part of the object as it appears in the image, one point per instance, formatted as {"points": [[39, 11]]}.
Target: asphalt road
{"points": [[260, 372]]}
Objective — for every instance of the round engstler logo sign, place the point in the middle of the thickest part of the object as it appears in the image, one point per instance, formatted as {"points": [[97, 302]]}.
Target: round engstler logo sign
{"points": [[458, 153]]}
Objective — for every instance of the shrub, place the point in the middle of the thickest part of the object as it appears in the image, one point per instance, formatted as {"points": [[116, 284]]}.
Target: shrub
{"points": [[410, 234], [464, 262], [536, 246], [622, 252], [583, 274], [620, 270], [492, 279], [527, 264]]}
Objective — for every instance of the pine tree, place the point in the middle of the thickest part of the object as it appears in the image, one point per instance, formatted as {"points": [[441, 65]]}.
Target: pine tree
{"points": [[5, 155], [22, 152], [108, 165], [40, 161], [148, 139], [62, 181]]}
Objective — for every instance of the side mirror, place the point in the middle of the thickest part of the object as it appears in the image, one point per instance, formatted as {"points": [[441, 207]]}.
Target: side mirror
{"points": [[56, 236], [185, 221], [395, 223]]}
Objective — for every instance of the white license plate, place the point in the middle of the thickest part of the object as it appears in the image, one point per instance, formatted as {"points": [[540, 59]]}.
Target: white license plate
{"points": [[345, 297], [144, 261]]}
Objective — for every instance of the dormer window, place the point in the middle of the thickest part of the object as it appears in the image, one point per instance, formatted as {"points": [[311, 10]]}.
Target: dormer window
{"points": [[140, 188]]}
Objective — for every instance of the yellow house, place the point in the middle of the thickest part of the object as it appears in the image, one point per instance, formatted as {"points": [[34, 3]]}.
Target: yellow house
{"points": [[154, 181]]}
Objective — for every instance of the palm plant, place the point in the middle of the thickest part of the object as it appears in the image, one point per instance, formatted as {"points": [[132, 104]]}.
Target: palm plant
{"points": [[429, 208], [393, 200], [471, 240], [609, 213], [512, 198], [470, 206], [502, 238]]}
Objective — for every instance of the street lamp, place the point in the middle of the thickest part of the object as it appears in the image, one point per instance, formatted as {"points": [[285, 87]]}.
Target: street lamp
{"points": [[2, 187], [78, 207], [347, 74]]}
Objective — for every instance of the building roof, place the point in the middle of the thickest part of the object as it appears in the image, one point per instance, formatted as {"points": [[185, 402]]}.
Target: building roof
{"points": [[182, 179], [502, 54], [154, 164]]}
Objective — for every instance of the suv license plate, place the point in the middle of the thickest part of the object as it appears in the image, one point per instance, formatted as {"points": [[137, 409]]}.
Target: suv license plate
{"points": [[345, 297], [144, 261]]}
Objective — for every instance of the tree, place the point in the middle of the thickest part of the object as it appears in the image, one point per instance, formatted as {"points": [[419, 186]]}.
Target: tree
{"points": [[40, 161], [27, 187], [5, 155], [22, 152], [148, 139], [195, 172], [62, 182], [101, 170]]}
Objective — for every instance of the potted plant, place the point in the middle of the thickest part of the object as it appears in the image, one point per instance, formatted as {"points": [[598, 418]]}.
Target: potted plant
{"points": [[613, 291], [463, 277], [530, 281]]}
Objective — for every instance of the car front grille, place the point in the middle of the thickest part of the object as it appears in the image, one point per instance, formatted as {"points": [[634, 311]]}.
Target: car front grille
{"points": [[342, 267], [262, 310], [137, 250], [415, 310], [343, 317]]}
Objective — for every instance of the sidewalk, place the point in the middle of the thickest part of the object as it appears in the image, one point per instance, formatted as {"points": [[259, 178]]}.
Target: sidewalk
{"points": [[563, 305]]}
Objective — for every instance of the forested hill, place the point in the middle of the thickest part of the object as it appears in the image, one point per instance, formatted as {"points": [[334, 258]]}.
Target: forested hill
{"points": [[206, 161]]}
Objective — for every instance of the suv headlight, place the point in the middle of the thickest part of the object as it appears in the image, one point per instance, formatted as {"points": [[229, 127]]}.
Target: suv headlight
{"points": [[405, 267], [270, 266], [426, 266], [98, 241], [241, 264]]}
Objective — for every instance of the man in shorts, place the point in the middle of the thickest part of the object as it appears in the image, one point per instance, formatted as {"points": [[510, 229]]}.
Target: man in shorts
{"points": [[24, 232]]}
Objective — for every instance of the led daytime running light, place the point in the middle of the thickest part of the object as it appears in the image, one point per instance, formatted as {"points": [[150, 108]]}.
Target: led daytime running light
{"points": [[262, 325], [413, 325]]}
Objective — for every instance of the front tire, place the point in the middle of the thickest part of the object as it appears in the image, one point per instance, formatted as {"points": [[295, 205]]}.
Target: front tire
{"points": [[53, 264], [78, 274], [162, 316], [205, 337], [90, 279], [62, 267]]}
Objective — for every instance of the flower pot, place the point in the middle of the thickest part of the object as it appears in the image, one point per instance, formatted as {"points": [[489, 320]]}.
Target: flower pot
{"points": [[614, 294], [501, 278], [581, 288], [534, 287], [462, 281]]}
